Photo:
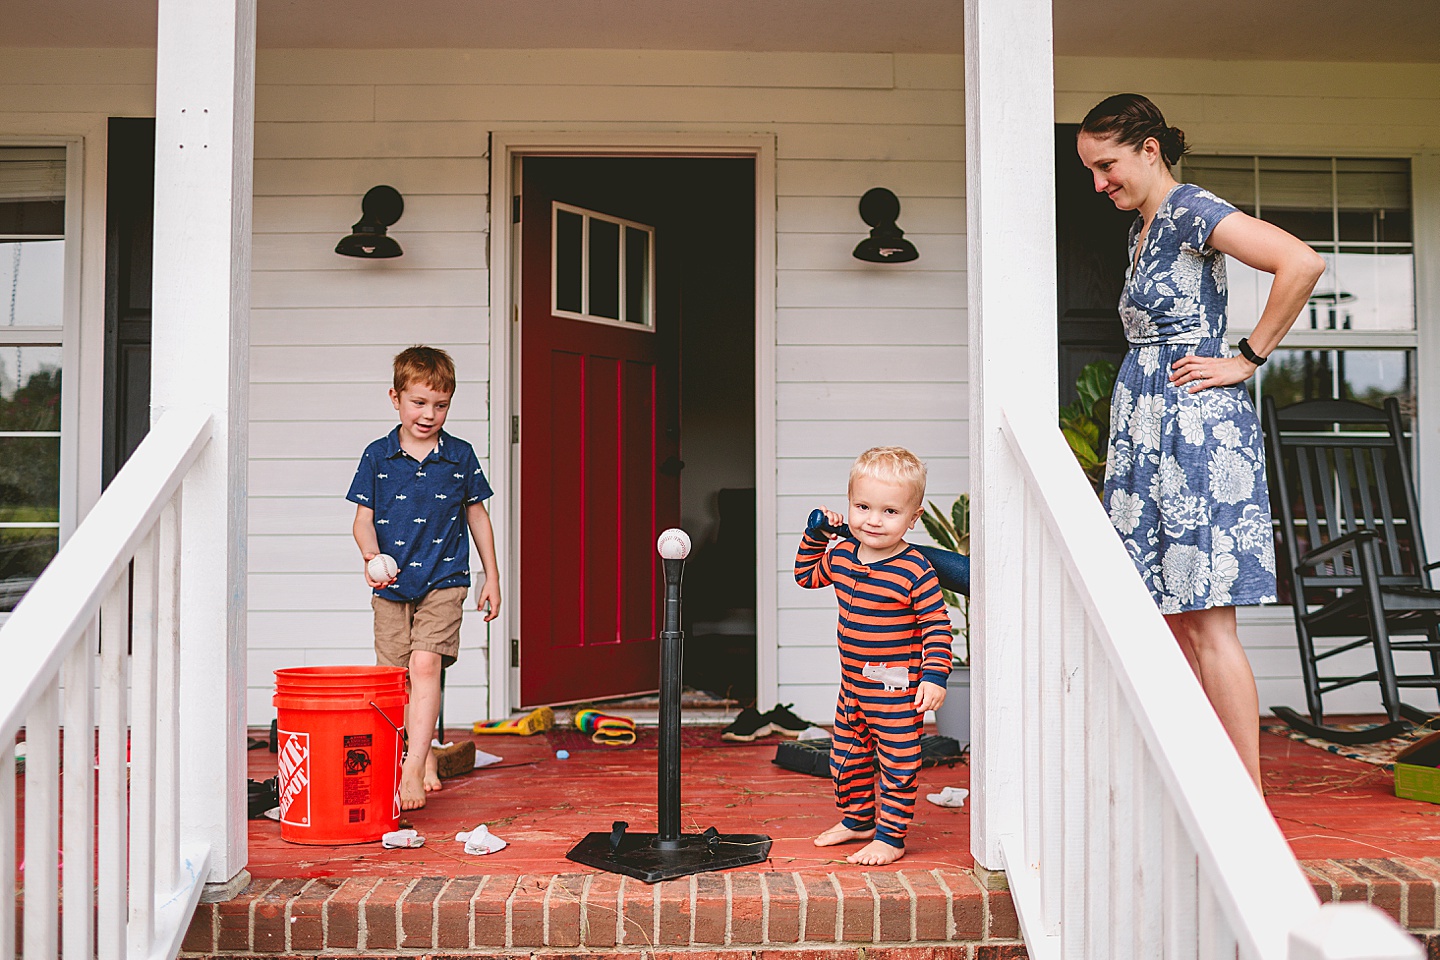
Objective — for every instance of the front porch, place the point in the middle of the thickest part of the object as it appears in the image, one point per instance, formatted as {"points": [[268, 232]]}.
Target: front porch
{"points": [[1355, 839]]}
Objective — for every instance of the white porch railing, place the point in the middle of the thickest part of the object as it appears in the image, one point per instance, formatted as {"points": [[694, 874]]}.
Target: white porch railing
{"points": [[1142, 834], [114, 585]]}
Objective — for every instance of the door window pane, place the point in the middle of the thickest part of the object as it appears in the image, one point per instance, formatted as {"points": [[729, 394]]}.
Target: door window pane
{"points": [[568, 265], [601, 267], [637, 275], [604, 269]]}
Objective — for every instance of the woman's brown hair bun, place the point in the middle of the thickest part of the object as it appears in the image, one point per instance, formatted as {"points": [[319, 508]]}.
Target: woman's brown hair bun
{"points": [[1174, 146]]}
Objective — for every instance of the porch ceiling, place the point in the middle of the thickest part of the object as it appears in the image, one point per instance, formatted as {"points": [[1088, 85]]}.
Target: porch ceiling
{"points": [[1393, 31]]}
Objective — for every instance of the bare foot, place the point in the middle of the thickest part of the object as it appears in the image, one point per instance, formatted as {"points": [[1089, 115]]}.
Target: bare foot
{"points": [[412, 790], [432, 772], [876, 853], [842, 834]]}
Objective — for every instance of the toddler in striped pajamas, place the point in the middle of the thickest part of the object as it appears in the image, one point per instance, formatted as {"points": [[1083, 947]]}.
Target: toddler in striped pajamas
{"points": [[894, 637]]}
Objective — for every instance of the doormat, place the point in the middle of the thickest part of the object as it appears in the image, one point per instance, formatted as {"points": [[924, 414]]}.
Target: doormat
{"points": [[1381, 753]]}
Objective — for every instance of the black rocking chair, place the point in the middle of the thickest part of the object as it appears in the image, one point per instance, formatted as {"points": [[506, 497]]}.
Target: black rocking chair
{"points": [[1353, 552]]}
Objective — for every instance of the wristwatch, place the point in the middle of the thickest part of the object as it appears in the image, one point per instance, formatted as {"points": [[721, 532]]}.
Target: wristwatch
{"points": [[1250, 354]]}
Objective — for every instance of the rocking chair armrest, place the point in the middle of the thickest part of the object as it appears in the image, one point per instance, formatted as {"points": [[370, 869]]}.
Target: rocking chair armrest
{"points": [[1338, 545]]}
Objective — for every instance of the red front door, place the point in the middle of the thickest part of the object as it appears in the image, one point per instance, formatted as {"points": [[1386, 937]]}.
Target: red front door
{"points": [[599, 439]]}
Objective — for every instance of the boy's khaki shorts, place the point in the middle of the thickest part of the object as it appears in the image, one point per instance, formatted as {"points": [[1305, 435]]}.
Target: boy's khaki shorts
{"points": [[432, 623]]}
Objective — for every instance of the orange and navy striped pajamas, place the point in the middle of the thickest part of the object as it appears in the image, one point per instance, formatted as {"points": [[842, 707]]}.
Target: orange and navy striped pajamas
{"points": [[892, 615]]}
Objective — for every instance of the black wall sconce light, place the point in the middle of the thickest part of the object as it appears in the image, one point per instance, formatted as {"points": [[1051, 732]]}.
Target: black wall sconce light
{"points": [[381, 207], [886, 244]]}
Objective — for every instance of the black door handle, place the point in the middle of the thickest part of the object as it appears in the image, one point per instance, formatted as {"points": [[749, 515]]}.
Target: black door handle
{"points": [[672, 466]]}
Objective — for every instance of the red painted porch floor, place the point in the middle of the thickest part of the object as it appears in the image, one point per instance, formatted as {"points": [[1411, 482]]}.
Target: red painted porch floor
{"points": [[1329, 808], [1358, 841], [542, 805]]}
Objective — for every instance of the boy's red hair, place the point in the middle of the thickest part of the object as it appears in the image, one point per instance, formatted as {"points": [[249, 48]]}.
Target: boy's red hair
{"points": [[428, 366]]}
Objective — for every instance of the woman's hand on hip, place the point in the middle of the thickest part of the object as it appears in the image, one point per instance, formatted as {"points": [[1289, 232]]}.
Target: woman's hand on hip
{"points": [[1193, 374]]}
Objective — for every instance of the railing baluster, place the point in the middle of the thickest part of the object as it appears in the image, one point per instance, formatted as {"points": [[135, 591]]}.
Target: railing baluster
{"points": [[1072, 768], [1034, 589], [7, 848], [1120, 817], [1206, 920], [1179, 905], [141, 927], [167, 699], [1098, 745], [1216, 940], [79, 799], [112, 816], [42, 823], [1148, 889], [1049, 643]]}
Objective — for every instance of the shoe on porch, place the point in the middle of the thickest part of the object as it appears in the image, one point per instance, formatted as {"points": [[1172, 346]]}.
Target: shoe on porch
{"points": [[785, 723], [747, 726]]}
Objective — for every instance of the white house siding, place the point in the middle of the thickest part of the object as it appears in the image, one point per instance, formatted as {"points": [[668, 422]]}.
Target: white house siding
{"points": [[863, 354]]}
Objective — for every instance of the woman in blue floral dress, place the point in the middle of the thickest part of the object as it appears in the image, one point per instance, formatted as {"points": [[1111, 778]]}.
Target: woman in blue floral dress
{"points": [[1185, 480]]}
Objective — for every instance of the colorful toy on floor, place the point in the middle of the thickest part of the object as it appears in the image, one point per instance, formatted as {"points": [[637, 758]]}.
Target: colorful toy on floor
{"points": [[605, 728], [541, 718]]}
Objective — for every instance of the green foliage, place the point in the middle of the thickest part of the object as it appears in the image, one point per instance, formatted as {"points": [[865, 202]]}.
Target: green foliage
{"points": [[34, 404], [1086, 422], [952, 532]]}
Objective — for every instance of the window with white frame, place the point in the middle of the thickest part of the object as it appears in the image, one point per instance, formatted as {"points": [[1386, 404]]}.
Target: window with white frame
{"points": [[1357, 339], [602, 268], [32, 295]]}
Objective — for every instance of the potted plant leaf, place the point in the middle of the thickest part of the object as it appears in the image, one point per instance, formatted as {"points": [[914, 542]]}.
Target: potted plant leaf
{"points": [[952, 532], [1086, 422]]}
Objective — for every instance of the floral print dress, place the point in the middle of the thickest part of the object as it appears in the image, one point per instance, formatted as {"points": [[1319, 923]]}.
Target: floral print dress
{"points": [[1185, 479]]}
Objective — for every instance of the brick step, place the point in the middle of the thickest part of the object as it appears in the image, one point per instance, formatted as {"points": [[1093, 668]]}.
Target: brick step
{"points": [[935, 951], [863, 915], [930, 914]]}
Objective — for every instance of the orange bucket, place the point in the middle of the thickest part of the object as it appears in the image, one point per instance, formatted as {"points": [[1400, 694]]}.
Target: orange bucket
{"points": [[340, 748]]}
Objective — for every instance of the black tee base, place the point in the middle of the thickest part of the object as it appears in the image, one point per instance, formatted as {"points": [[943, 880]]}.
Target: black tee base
{"points": [[637, 854]]}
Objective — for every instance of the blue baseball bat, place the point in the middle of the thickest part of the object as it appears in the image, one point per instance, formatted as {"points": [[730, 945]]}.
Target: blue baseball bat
{"points": [[951, 568]]}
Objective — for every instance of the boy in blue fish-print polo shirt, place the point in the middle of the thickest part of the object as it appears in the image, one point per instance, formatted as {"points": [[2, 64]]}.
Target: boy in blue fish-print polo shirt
{"points": [[416, 491]]}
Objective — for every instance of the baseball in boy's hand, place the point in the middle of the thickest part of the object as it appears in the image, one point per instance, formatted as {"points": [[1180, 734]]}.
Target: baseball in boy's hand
{"points": [[382, 568]]}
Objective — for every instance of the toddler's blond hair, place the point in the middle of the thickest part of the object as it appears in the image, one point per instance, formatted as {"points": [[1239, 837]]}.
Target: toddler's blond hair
{"points": [[893, 465]]}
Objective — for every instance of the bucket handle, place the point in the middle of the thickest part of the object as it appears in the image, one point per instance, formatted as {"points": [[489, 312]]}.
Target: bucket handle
{"points": [[404, 737]]}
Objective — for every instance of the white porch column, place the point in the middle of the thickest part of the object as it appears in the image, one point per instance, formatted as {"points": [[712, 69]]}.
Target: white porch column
{"points": [[204, 148], [1010, 236]]}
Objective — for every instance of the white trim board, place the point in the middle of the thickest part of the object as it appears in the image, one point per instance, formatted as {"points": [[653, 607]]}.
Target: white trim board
{"points": [[506, 146]]}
